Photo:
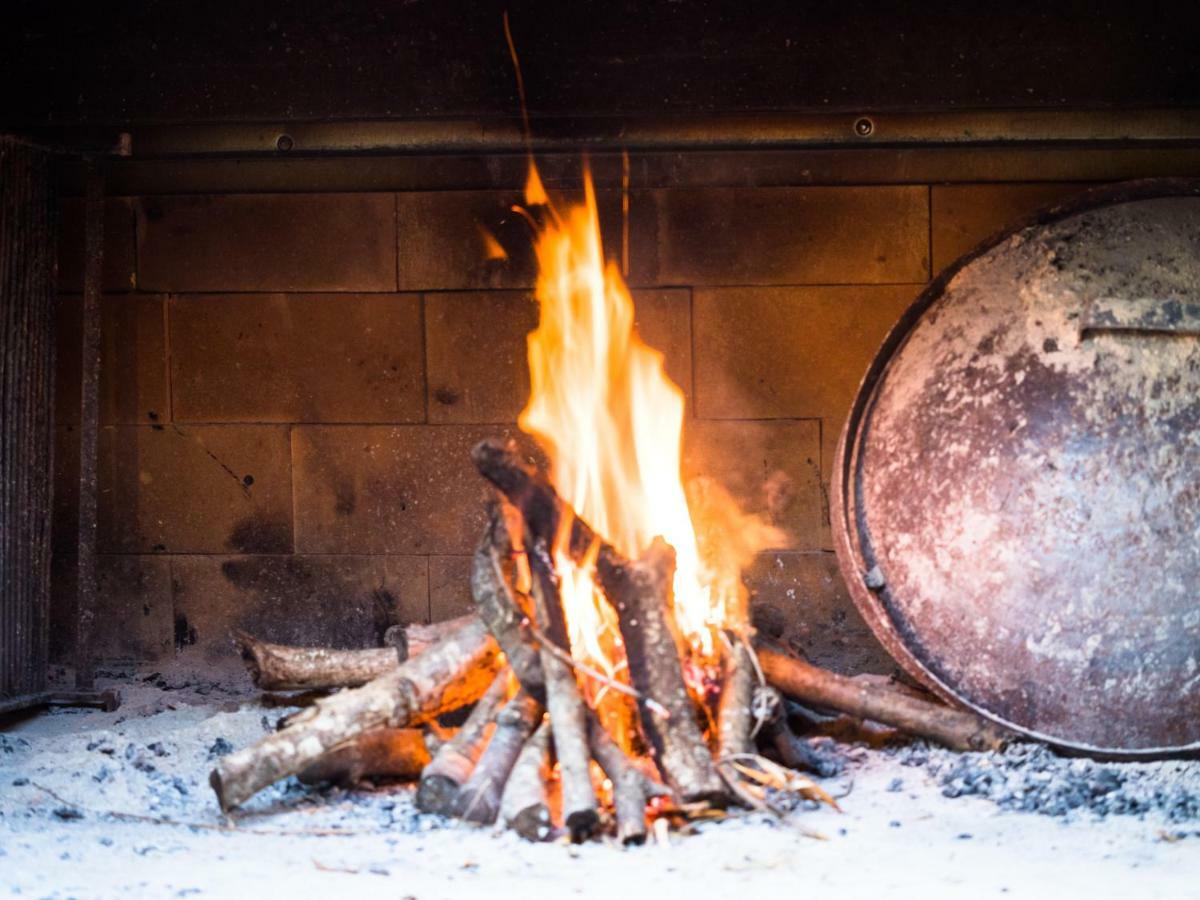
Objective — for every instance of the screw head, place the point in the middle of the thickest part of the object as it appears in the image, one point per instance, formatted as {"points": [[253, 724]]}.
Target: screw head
{"points": [[864, 127], [284, 143]]}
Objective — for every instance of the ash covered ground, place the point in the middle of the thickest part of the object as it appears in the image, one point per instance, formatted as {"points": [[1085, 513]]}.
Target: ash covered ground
{"points": [[97, 804]]}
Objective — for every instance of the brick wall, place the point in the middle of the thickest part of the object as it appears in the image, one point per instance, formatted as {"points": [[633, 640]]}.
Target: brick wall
{"points": [[291, 383]]}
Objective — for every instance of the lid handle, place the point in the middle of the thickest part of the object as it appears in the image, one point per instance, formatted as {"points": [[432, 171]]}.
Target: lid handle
{"points": [[1153, 315]]}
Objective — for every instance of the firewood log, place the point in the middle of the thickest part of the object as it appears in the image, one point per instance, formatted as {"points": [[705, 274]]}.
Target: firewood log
{"points": [[479, 799], [568, 713], [640, 593], [956, 729], [791, 750], [539, 504], [455, 671], [498, 606], [675, 736], [278, 667], [631, 787], [380, 752], [735, 719], [453, 763], [523, 805]]}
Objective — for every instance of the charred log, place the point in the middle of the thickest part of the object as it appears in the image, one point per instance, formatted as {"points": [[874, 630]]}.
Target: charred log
{"points": [[631, 787], [640, 592], [479, 799], [956, 729], [454, 672], [793, 751], [523, 805], [497, 602], [536, 500], [452, 765]]}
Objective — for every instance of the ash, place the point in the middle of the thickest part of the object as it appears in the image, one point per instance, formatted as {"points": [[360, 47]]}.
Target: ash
{"points": [[96, 804], [1033, 778]]}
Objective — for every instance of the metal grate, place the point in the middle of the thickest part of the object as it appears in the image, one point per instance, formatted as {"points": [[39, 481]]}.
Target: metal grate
{"points": [[28, 241]]}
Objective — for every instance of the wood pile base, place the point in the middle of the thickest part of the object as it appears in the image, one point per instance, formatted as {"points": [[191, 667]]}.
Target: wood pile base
{"points": [[532, 754]]}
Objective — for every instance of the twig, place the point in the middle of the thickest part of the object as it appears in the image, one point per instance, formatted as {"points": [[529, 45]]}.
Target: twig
{"points": [[754, 797], [583, 668]]}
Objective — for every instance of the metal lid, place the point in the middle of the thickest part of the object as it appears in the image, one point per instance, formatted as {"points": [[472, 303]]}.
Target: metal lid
{"points": [[1017, 489]]}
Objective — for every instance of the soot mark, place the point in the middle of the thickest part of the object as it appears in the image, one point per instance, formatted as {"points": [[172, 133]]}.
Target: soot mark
{"points": [[345, 501], [257, 534], [185, 634], [446, 396]]}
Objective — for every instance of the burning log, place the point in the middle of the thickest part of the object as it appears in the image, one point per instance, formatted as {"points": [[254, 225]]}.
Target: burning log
{"points": [[640, 592], [455, 671], [381, 752], [735, 716], [954, 728], [538, 502], [497, 603], [479, 799], [568, 714], [455, 760], [523, 806], [631, 787], [278, 667]]}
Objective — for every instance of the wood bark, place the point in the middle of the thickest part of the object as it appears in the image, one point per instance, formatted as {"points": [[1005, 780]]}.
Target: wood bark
{"points": [[957, 729], [380, 752], [631, 787], [534, 497], [452, 765], [455, 671], [568, 713], [524, 806], [735, 719], [496, 601], [279, 667], [640, 592], [479, 799]]}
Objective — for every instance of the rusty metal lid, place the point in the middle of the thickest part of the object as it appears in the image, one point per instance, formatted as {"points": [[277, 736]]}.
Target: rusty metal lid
{"points": [[1017, 490]]}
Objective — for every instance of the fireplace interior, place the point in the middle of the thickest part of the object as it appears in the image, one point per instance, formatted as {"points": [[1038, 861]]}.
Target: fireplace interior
{"points": [[269, 277]]}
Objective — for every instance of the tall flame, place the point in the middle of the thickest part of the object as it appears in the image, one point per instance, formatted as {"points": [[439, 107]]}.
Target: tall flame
{"points": [[611, 421]]}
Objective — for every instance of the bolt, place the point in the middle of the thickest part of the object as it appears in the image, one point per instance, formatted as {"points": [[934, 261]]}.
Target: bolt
{"points": [[864, 127], [285, 143]]}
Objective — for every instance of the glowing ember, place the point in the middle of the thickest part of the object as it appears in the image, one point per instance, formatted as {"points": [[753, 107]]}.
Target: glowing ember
{"points": [[611, 422]]}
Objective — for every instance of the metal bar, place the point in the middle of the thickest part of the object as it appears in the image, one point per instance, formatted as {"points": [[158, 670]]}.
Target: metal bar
{"points": [[27, 252], [859, 129], [648, 169], [89, 423]]}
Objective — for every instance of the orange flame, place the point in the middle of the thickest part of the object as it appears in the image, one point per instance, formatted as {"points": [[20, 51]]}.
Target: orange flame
{"points": [[611, 422]]}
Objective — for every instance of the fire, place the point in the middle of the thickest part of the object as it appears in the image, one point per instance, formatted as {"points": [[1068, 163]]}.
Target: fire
{"points": [[611, 421]]}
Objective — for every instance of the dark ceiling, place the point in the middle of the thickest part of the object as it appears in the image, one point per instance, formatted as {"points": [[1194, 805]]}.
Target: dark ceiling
{"points": [[117, 63]]}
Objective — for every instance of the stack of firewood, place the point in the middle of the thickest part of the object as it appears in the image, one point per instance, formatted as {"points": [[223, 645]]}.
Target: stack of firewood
{"points": [[531, 751]]}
